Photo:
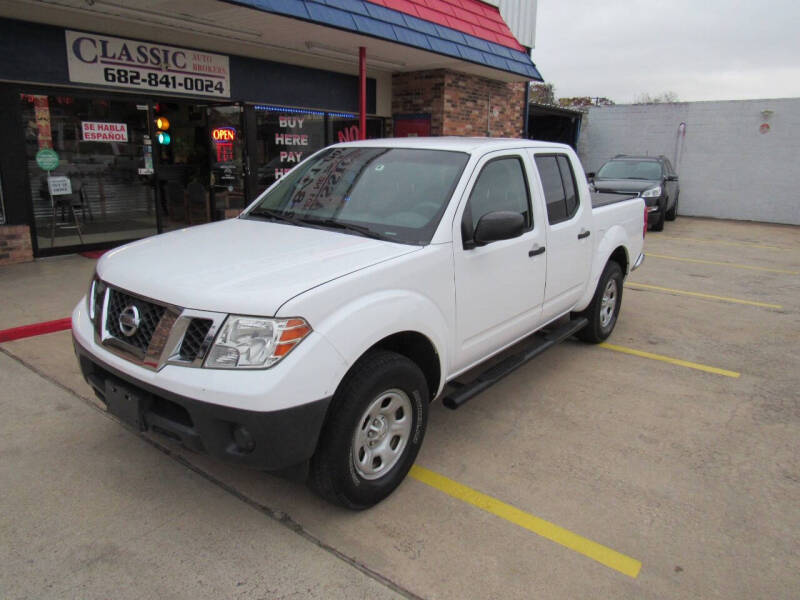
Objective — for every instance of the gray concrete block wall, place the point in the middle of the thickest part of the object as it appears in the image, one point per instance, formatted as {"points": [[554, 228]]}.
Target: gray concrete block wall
{"points": [[728, 169]]}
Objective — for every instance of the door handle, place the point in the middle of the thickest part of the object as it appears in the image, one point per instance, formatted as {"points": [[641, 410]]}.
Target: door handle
{"points": [[536, 250], [584, 234]]}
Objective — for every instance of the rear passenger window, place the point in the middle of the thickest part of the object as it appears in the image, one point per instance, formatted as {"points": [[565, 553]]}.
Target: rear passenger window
{"points": [[558, 183], [501, 185], [568, 179]]}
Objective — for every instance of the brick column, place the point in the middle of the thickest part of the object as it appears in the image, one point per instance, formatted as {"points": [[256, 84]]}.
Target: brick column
{"points": [[15, 244], [476, 106], [461, 104], [420, 92]]}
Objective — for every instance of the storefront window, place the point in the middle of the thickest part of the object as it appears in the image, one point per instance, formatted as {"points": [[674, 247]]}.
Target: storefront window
{"points": [[285, 136], [89, 167], [345, 129], [97, 177]]}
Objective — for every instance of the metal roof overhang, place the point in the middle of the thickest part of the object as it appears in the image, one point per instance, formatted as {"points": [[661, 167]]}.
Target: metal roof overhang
{"points": [[312, 33]]}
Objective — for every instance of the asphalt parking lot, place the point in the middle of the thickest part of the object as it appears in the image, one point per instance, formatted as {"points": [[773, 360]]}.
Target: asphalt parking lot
{"points": [[663, 464]]}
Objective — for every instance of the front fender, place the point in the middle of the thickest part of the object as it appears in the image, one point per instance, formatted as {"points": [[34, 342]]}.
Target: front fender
{"points": [[615, 237], [356, 326]]}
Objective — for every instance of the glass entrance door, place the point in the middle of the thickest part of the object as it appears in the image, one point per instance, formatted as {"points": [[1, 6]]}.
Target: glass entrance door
{"points": [[226, 147], [181, 142], [200, 167]]}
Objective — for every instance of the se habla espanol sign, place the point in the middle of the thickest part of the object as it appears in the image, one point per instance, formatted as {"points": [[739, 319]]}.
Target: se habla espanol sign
{"points": [[94, 131]]}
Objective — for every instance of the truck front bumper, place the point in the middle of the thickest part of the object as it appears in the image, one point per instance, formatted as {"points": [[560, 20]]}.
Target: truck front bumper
{"points": [[270, 440]]}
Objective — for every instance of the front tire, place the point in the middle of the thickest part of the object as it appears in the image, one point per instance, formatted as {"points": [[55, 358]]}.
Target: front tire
{"points": [[604, 308], [375, 428], [659, 225], [672, 213]]}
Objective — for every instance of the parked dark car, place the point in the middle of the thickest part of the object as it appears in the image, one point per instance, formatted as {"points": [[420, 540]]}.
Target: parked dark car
{"points": [[652, 177]]}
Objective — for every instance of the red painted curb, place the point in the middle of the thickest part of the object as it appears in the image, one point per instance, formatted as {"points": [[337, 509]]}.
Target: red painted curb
{"points": [[17, 333]]}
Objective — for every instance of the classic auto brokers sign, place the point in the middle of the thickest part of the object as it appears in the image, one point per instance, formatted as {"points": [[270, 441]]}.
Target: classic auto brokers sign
{"points": [[122, 63]]}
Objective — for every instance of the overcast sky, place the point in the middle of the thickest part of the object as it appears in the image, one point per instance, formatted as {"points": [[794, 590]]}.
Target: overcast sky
{"points": [[699, 49]]}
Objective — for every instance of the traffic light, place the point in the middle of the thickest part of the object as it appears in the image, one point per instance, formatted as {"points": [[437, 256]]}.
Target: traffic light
{"points": [[162, 124]]}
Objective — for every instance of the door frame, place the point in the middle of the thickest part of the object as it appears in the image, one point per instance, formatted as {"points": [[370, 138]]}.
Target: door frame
{"points": [[528, 321]]}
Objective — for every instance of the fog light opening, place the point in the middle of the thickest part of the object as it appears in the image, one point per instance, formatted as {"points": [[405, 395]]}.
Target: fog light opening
{"points": [[245, 443]]}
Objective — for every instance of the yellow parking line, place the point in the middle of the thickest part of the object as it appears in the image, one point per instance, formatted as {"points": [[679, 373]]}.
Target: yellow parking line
{"points": [[644, 286], [723, 243], [723, 264], [573, 541], [670, 360]]}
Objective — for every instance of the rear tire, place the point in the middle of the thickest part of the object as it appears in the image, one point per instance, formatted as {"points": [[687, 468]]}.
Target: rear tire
{"points": [[672, 213], [374, 430], [604, 308]]}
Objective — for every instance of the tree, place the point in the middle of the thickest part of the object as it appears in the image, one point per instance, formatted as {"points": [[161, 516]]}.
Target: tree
{"points": [[543, 93], [585, 102], [668, 97]]}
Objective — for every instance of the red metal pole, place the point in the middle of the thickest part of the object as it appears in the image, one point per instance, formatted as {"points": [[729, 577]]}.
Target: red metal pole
{"points": [[362, 93]]}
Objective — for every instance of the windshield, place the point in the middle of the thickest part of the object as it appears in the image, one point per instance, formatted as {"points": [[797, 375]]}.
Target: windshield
{"points": [[630, 169], [396, 194]]}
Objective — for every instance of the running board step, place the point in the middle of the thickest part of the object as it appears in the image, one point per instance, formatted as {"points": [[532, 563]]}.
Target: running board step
{"points": [[539, 342]]}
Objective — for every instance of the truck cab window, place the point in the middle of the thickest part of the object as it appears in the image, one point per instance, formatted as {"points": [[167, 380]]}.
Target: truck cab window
{"points": [[558, 183], [501, 185]]}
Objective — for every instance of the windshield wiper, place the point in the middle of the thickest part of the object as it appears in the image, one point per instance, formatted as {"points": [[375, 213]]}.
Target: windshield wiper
{"points": [[359, 229], [275, 215]]}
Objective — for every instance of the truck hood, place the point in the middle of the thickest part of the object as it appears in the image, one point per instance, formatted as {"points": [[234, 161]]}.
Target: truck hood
{"points": [[240, 266], [623, 186]]}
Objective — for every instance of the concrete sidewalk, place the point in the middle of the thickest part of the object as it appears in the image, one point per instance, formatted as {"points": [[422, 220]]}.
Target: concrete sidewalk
{"points": [[105, 515], [43, 290]]}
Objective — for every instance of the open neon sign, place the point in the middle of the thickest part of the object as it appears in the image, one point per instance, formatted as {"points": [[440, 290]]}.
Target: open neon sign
{"points": [[223, 134], [223, 138]]}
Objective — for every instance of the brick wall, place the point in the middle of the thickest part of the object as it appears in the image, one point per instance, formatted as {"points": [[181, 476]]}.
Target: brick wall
{"points": [[15, 244], [459, 103], [476, 106], [420, 92]]}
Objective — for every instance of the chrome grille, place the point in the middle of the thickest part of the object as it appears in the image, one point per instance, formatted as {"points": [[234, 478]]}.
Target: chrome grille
{"points": [[193, 339], [149, 314], [166, 334]]}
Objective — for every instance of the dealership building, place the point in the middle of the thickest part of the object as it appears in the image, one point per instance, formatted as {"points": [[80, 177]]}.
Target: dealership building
{"points": [[125, 119]]}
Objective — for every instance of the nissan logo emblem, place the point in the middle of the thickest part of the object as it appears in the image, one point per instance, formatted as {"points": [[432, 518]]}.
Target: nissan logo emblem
{"points": [[129, 320]]}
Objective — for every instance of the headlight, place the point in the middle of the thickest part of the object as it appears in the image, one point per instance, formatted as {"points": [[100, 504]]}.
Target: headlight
{"points": [[90, 301], [94, 299], [255, 343], [652, 192]]}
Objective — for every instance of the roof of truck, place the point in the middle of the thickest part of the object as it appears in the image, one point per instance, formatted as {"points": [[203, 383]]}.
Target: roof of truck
{"points": [[455, 144]]}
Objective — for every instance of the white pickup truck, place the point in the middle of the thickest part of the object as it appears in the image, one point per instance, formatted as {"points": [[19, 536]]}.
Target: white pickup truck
{"points": [[316, 328]]}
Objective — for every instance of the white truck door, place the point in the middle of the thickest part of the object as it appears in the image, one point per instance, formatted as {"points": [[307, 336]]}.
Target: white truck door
{"points": [[500, 285], [569, 242]]}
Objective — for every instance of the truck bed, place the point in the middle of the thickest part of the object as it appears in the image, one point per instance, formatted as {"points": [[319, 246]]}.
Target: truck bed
{"points": [[604, 199]]}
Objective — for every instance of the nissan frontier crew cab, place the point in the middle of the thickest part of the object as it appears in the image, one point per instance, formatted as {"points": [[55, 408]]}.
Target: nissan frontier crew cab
{"points": [[316, 328]]}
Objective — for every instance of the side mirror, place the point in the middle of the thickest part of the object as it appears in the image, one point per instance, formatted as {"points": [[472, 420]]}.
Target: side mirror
{"points": [[672, 178], [590, 176], [498, 225]]}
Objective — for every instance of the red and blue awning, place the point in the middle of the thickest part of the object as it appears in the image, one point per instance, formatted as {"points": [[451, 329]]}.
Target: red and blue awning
{"points": [[468, 30]]}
